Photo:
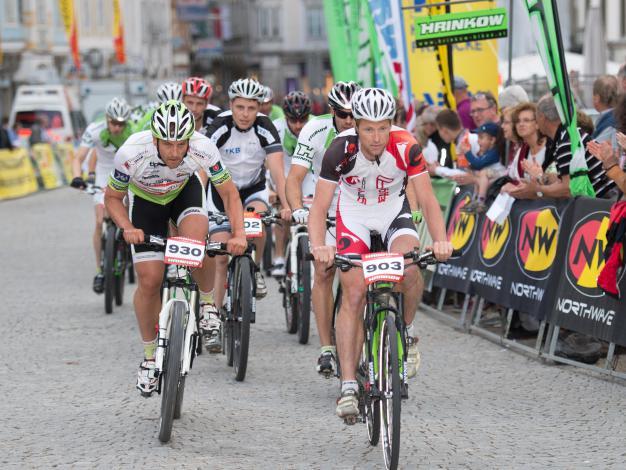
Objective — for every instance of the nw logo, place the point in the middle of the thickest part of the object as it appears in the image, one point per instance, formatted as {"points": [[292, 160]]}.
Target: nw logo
{"points": [[462, 225], [493, 239], [585, 259], [537, 242]]}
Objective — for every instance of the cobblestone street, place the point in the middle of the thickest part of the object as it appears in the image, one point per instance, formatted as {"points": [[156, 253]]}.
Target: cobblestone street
{"points": [[69, 400]]}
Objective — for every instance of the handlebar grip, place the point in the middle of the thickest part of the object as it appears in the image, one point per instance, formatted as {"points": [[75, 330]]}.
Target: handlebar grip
{"points": [[309, 257]]}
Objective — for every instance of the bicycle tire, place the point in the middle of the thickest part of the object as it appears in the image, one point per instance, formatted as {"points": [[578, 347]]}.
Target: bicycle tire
{"points": [[290, 303], [243, 305], [390, 384], [180, 394], [120, 276], [227, 317], [130, 265], [333, 336], [171, 371], [108, 271], [267, 253], [304, 291]]}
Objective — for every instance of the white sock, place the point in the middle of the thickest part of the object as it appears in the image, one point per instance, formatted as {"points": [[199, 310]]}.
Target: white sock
{"points": [[349, 385], [410, 330]]}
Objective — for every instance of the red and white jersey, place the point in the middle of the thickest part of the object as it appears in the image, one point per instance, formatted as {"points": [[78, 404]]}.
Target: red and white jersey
{"points": [[367, 183]]}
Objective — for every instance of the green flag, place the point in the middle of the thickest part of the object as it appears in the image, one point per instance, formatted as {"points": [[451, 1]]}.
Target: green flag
{"points": [[340, 42], [544, 20]]}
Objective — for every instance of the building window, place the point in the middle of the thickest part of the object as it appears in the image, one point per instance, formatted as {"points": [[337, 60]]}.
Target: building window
{"points": [[42, 12], [315, 26], [11, 12], [269, 22]]}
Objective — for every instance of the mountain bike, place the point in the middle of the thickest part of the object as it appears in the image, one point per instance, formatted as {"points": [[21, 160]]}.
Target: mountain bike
{"points": [[239, 309], [381, 372], [115, 259], [296, 285], [178, 328]]}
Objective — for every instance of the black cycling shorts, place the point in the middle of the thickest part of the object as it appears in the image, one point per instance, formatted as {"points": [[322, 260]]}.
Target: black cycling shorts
{"points": [[154, 218]]}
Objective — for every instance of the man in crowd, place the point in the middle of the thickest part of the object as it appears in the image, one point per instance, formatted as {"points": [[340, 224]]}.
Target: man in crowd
{"points": [[462, 98], [605, 93], [484, 108]]}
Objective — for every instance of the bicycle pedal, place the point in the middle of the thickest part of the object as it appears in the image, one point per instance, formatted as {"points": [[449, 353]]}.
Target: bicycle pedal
{"points": [[351, 420]]}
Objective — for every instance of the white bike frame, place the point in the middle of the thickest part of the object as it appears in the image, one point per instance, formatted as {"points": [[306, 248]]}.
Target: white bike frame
{"points": [[164, 323], [292, 249]]}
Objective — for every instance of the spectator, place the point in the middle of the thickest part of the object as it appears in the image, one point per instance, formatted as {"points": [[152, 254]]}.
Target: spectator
{"points": [[485, 165], [429, 150], [452, 132], [12, 135], [621, 76], [5, 140], [610, 158], [429, 124], [532, 143], [38, 134], [511, 96], [484, 108], [560, 152], [462, 98], [605, 92]]}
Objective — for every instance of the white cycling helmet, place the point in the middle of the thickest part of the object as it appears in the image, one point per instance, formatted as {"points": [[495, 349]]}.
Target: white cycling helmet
{"points": [[373, 104], [246, 88], [268, 95], [118, 110], [172, 121], [340, 95], [169, 91]]}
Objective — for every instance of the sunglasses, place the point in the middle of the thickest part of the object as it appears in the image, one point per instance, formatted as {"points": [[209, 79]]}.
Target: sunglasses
{"points": [[343, 115]]}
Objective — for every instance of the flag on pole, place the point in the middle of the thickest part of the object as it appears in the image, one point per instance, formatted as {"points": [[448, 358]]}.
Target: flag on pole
{"points": [[118, 33], [544, 20], [66, 8], [394, 67]]}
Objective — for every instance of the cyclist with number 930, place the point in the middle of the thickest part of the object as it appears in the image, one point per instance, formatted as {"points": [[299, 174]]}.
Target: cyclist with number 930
{"points": [[157, 170], [372, 164]]}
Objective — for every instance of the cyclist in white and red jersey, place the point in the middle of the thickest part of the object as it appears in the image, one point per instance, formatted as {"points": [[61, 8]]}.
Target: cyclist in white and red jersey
{"points": [[157, 171], [372, 164], [197, 94]]}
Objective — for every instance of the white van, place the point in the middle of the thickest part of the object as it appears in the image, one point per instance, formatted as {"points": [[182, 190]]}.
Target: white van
{"points": [[54, 107]]}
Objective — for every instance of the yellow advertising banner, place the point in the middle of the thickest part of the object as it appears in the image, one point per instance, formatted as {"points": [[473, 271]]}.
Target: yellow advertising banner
{"points": [[65, 155], [476, 61], [17, 175], [46, 164]]}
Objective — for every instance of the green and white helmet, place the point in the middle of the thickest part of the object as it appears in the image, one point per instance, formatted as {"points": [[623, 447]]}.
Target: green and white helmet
{"points": [[172, 121]]}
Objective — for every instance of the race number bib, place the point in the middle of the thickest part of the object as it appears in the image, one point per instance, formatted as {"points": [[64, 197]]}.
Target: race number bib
{"points": [[253, 226], [183, 251], [383, 267]]}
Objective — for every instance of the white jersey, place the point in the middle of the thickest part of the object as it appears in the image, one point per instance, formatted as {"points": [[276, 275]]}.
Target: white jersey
{"points": [[244, 152], [313, 141], [139, 167], [289, 142], [92, 138]]}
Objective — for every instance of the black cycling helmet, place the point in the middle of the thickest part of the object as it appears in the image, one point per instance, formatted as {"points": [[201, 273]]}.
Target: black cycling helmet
{"points": [[340, 95], [297, 105]]}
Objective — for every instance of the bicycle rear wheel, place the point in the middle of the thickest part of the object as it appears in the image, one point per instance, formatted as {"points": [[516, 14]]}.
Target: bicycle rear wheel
{"points": [[170, 381], [389, 385], [304, 291], [109, 271], [120, 271], [242, 309]]}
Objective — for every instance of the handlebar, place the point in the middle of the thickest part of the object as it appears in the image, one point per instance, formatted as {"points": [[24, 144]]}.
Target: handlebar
{"points": [[212, 248], [346, 262]]}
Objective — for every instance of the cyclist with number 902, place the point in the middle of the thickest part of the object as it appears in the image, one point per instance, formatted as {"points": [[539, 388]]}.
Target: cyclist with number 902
{"points": [[157, 170]]}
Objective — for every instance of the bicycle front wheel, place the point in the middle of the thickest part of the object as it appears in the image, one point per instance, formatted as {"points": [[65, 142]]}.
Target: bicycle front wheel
{"points": [[121, 254], [390, 385], [170, 381], [304, 291], [290, 302], [242, 310], [109, 268]]}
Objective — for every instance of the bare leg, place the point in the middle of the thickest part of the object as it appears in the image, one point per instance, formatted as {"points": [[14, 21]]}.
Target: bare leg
{"points": [[147, 298], [349, 327]]}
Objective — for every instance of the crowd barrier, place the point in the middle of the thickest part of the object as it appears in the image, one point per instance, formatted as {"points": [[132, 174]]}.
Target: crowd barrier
{"points": [[42, 166], [544, 261]]}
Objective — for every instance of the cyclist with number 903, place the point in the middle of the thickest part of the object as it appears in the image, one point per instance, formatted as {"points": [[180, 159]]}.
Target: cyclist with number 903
{"points": [[372, 164]]}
